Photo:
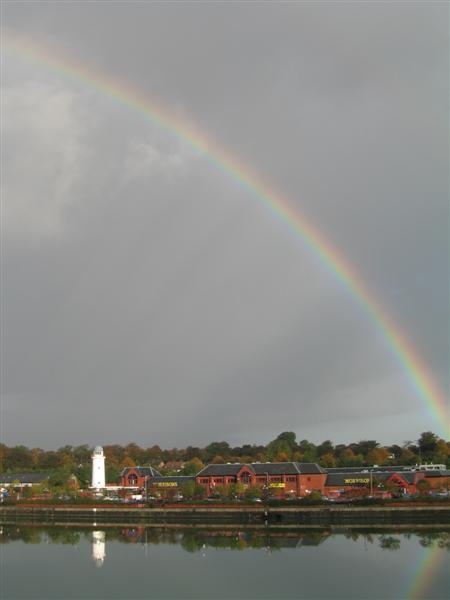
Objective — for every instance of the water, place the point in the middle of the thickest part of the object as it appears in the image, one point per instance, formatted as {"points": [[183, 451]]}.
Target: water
{"points": [[226, 563]]}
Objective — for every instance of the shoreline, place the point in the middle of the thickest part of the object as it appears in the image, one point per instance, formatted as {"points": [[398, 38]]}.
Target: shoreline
{"points": [[355, 516]]}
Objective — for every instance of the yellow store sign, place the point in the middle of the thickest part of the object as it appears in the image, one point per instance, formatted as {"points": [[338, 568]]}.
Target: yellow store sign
{"points": [[361, 480], [277, 485], [166, 484]]}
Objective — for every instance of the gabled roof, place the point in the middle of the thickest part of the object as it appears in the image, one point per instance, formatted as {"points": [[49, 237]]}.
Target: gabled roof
{"points": [[281, 468], [223, 469], [268, 468], [310, 468], [32, 477], [408, 476], [142, 471]]}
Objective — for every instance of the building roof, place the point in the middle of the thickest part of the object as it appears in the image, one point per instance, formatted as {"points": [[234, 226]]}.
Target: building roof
{"points": [[310, 468], [408, 476], [223, 469], [392, 469], [142, 471], [280, 468], [268, 468], [32, 477]]}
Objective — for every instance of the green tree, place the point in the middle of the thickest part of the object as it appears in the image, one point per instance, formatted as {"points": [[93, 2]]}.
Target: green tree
{"points": [[217, 448], [308, 451], [427, 444], [253, 491], [112, 474], [83, 474], [348, 458], [191, 490], [18, 458], [363, 447], [325, 447], [284, 444], [59, 480], [192, 467]]}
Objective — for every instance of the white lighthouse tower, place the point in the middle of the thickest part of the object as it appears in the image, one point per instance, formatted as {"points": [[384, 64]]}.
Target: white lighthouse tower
{"points": [[98, 468]]}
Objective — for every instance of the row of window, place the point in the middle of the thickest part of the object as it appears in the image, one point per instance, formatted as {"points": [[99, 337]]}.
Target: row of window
{"points": [[246, 478]]}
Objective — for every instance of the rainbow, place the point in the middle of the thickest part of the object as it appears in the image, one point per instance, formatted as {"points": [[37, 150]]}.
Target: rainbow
{"points": [[432, 398], [429, 564]]}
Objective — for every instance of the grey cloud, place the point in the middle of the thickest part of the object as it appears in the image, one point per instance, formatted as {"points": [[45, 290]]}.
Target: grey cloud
{"points": [[172, 307]]}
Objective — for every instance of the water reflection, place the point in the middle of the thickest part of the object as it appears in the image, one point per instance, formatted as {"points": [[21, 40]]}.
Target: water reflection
{"points": [[98, 547], [193, 539]]}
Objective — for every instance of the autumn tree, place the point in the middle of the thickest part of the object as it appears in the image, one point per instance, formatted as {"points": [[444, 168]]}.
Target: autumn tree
{"points": [[218, 460], [378, 456], [407, 457], [348, 458], [327, 460], [192, 467], [442, 452], [127, 462]]}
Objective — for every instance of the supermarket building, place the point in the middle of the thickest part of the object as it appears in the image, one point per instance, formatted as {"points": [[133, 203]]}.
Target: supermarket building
{"points": [[289, 479]]}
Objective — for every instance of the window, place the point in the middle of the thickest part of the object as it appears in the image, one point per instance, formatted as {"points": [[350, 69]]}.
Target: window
{"points": [[291, 478], [132, 479], [204, 480], [245, 477], [275, 479]]}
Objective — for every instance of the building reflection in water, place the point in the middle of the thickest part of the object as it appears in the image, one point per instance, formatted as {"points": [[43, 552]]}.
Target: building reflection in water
{"points": [[98, 547]]}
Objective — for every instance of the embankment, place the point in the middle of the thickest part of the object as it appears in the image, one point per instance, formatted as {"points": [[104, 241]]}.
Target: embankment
{"points": [[243, 514]]}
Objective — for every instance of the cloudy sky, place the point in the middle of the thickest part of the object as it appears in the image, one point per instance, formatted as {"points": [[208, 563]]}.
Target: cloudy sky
{"points": [[149, 297]]}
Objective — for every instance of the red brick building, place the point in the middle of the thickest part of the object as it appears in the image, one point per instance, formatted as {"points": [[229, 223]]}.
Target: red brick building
{"points": [[288, 479], [137, 477], [284, 480]]}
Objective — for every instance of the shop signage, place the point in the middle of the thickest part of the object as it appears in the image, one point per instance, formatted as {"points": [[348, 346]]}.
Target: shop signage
{"points": [[357, 480], [277, 485], [166, 484]]}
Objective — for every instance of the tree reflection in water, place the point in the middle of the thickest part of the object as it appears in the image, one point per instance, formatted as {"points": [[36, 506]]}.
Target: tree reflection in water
{"points": [[193, 540]]}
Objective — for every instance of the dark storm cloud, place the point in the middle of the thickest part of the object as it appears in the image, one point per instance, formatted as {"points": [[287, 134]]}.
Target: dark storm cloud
{"points": [[148, 297]]}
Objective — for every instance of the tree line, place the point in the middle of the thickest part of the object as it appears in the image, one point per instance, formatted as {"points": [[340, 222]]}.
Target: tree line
{"points": [[188, 461]]}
